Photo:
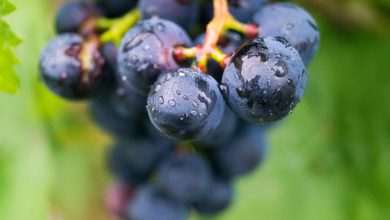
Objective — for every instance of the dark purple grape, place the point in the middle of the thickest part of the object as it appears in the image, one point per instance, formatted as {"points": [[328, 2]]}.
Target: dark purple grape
{"points": [[223, 133], [146, 52], [133, 160], [148, 204], [185, 104], [72, 68], [182, 12], [242, 155], [293, 23], [110, 54], [73, 15], [217, 200], [111, 115], [116, 8], [128, 103], [107, 117], [243, 10], [183, 177], [264, 80]]}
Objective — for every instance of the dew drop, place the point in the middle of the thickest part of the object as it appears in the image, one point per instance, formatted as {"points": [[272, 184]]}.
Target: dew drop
{"points": [[181, 74], [178, 92], [195, 104], [172, 103], [194, 113], [186, 97], [161, 100]]}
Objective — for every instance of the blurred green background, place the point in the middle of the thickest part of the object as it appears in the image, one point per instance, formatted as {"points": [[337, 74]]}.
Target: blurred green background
{"points": [[329, 160]]}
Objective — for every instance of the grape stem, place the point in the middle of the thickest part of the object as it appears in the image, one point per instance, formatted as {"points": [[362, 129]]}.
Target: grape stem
{"points": [[222, 22], [116, 28]]}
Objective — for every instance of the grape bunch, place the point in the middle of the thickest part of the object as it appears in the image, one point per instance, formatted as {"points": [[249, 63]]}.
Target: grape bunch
{"points": [[188, 90]]}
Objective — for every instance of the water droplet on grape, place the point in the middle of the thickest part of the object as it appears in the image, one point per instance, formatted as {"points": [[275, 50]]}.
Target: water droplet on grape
{"points": [[161, 100], [172, 103]]}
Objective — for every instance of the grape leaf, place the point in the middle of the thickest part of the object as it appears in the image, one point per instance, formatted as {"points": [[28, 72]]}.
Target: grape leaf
{"points": [[9, 81]]}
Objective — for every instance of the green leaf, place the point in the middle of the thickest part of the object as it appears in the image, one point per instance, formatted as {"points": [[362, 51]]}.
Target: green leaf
{"points": [[6, 7], [9, 81]]}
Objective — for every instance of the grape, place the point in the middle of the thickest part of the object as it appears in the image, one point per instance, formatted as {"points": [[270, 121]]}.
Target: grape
{"points": [[217, 200], [182, 12], [127, 102], [243, 10], [293, 23], [264, 80], [185, 104], [223, 133], [148, 204], [133, 160], [73, 15], [108, 117], [116, 8], [242, 155], [71, 68], [183, 177], [146, 52], [110, 54]]}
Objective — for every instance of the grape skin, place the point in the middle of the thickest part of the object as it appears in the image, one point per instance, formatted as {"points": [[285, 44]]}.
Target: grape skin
{"points": [[182, 12], [133, 160], [185, 104], [71, 16], [264, 80], [116, 8], [242, 155], [184, 177], [63, 71], [148, 204], [293, 23], [145, 52]]}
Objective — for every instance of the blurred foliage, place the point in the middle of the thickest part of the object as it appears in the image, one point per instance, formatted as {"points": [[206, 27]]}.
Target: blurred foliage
{"points": [[9, 81], [328, 160]]}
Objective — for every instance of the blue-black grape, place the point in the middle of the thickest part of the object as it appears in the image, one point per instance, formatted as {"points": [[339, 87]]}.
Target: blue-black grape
{"points": [[112, 116], [107, 117], [243, 10], [242, 155], [182, 12], [72, 68], [217, 200], [264, 80], [133, 160], [146, 52], [149, 204], [116, 8], [127, 102], [223, 133], [73, 15], [185, 104], [110, 54], [293, 23], [184, 177]]}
